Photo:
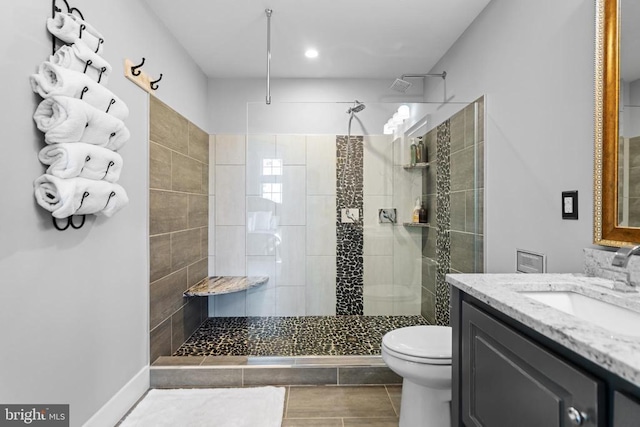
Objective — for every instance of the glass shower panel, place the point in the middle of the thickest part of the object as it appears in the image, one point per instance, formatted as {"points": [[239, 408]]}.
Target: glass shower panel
{"points": [[298, 166]]}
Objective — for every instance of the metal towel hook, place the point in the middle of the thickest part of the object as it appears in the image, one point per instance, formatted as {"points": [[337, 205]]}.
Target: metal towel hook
{"points": [[153, 84], [113, 101], [70, 10], [69, 223], [86, 65], [134, 68]]}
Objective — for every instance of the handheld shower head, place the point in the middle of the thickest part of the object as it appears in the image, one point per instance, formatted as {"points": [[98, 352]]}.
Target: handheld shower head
{"points": [[357, 107]]}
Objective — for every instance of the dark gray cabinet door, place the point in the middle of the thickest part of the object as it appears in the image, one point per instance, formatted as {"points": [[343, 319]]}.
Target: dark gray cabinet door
{"points": [[508, 380], [626, 411]]}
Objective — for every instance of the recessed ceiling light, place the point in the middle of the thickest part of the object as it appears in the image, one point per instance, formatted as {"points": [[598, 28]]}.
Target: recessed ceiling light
{"points": [[311, 53]]}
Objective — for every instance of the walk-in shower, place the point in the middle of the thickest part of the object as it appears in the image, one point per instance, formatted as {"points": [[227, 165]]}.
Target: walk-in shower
{"points": [[335, 287]]}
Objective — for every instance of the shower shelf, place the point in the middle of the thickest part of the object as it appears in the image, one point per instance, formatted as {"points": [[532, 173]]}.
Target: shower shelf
{"points": [[416, 166], [218, 285], [417, 224]]}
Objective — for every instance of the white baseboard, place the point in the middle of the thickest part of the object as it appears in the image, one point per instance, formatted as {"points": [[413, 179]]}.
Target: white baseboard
{"points": [[116, 408]]}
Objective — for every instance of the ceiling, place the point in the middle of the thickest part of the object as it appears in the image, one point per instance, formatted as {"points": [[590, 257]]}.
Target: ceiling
{"points": [[355, 38]]}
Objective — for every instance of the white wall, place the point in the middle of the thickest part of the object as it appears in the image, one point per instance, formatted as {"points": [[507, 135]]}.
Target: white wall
{"points": [[228, 99], [534, 61], [74, 304]]}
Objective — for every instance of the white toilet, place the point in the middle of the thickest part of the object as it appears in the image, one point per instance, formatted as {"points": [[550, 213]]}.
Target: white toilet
{"points": [[421, 355]]}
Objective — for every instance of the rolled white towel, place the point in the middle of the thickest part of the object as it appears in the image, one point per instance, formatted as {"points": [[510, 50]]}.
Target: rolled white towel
{"points": [[52, 80], [66, 27], [78, 196], [66, 119], [71, 159], [78, 57]]}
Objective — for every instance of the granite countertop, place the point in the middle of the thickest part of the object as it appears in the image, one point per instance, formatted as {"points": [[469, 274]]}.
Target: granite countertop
{"points": [[615, 352], [217, 285]]}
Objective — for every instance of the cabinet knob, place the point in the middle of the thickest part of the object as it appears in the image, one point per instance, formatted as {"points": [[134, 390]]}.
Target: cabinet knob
{"points": [[577, 418]]}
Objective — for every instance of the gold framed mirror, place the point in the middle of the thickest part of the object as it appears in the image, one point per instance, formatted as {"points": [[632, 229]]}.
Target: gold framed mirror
{"points": [[611, 179]]}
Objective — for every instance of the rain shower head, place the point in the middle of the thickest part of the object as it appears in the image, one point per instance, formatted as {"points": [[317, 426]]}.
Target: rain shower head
{"points": [[357, 107], [400, 85]]}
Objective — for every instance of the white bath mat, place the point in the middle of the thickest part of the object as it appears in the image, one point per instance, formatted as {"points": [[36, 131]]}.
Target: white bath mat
{"points": [[217, 407]]}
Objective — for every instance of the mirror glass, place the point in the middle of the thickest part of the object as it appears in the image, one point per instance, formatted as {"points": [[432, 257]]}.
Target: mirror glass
{"points": [[629, 115]]}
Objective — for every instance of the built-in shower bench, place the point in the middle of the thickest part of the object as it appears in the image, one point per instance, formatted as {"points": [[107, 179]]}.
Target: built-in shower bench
{"points": [[218, 285]]}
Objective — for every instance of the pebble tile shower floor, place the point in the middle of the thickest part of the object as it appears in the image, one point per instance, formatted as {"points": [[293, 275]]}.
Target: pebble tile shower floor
{"points": [[293, 336]]}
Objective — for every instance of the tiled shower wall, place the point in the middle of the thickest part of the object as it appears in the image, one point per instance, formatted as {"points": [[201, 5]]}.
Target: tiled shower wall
{"points": [[178, 226], [279, 220], [454, 189]]}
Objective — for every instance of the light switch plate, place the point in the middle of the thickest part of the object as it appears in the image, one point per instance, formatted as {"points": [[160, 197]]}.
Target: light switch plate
{"points": [[569, 205]]}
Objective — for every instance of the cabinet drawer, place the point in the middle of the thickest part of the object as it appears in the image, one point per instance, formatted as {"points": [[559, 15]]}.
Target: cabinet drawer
{"points": [[508, 380]]}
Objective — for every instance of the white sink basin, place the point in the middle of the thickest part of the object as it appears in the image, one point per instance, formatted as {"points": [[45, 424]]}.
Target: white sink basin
{"points": [[616, 319]]}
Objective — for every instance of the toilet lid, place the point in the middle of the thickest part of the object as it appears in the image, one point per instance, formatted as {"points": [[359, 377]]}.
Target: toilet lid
{"points": [[431, 342]]}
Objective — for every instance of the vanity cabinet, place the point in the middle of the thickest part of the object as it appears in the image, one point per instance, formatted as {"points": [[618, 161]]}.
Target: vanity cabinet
{"points": [[508, 380], [506, 374]]}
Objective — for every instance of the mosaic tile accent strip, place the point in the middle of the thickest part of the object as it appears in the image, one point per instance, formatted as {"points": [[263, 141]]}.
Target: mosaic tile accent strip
{"points": [[443, 220], [350, 236], [293, 336]]}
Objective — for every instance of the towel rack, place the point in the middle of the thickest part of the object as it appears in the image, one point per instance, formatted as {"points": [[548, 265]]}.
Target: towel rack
{"points": [[70, 9]]}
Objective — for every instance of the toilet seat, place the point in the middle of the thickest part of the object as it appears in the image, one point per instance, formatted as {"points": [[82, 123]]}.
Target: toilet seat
{"points": [[421, 344], [415, 359]]}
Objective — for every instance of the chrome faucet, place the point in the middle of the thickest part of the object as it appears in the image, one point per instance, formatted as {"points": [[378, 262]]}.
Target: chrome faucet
{"points": [[622, 256]]}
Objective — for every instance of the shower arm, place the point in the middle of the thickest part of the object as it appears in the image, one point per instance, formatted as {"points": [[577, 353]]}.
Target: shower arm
{"points": [[443, 75], [268, 13]]}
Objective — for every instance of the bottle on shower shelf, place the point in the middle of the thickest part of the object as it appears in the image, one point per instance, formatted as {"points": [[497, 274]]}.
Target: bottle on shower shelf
{"points": [[415, 217], [414, 152], [422, 214], [421, 151]]}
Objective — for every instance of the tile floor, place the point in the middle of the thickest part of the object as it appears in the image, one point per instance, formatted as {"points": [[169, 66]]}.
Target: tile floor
{"points": [[331, 406], [339, 406], [293, 336]]}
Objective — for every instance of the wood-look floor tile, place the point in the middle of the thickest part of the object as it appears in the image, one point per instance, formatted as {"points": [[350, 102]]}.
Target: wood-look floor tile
{"points": [[194, 378], [371, 422], [225, 360], [178, 361], [395, 394], [328, 401], [312, 422]]}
